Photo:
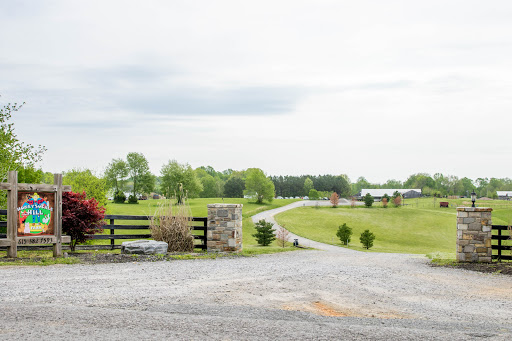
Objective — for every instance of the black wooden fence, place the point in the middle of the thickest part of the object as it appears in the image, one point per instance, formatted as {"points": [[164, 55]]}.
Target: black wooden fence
{"points": [[502, 239], [198, 224]]}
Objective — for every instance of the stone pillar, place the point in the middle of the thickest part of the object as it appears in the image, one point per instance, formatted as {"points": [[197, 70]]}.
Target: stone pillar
{"points": [[474, 234], [224, 232]]}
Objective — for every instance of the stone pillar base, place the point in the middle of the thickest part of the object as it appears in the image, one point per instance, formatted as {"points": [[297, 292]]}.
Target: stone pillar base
{"points": [[224, 232], [474, 233]]}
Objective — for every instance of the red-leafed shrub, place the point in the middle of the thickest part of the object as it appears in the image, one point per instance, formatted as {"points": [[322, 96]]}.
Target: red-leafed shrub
{"points": [[81, 217]]}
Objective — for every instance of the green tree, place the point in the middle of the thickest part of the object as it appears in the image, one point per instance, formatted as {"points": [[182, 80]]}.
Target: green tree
{"points": [[385, 196], [265, 232], [116, 174], [308, 186], [344, 233], [174, 175], [313, 194], [83, 180], [30, 175], [368, 200], [367, 239], [14, 153], [234, 187], [259, 186], [138, 169]]}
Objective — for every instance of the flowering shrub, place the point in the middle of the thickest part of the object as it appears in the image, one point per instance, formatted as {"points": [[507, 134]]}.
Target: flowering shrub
{"points": [[81, 217]]}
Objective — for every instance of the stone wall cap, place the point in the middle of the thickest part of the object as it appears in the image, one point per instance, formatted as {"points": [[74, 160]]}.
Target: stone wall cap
{"points": [[474, 209], [224, 205]]}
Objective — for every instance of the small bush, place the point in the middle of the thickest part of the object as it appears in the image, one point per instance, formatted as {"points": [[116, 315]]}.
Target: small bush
{"points": [[119, 197], [367, 239], [335, 199], [368, 200], [265, 234], [132, 199], [384, 202], [397, 199], [344, 233]]}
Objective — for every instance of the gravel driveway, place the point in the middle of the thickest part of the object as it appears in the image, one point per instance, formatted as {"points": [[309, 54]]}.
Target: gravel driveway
{"points": [[303, 295]]}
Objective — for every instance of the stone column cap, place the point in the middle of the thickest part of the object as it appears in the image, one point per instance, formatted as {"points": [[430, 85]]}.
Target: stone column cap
{"points": [[474, 209], [224, 205]]}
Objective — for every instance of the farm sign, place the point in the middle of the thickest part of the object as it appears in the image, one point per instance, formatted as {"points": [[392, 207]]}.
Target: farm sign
{"points": [[35, 213]]}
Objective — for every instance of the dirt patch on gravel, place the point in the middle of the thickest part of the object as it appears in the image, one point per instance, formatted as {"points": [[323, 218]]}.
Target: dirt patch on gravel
{"points": [[325, 309], [495, 268]]}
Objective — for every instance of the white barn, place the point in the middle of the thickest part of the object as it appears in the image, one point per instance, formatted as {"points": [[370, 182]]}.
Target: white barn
{"points": [[378, 193], [504, 195]]}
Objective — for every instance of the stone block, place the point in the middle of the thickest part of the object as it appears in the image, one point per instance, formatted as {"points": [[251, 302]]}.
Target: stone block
{"points": [[462, 214], [481, 250], [462, 226], [144, 247], [462, 242], [475, 227], [488, 242], [486, 228], [469, 248], [468, 220], [485, 259]]}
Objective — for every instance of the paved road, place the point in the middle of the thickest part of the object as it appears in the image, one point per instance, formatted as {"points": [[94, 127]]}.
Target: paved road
{"points": [[328, 294]]}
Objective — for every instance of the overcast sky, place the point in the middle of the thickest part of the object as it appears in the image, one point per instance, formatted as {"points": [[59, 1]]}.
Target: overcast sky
{"points": [[381, 89]]}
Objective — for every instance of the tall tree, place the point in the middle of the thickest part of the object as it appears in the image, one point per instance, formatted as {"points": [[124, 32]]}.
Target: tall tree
{"points": [[116, 174], [174, 175], [138, 167], [83, 180], [234, 187], [259, 186], [308, 185]]}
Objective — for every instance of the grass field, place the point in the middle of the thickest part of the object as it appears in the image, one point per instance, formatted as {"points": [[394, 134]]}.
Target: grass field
{"points": [[199, 209], [420, 226]]}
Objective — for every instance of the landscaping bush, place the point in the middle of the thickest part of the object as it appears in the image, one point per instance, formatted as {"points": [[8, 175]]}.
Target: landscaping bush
{"points": [[367, 239], [282, 236], [397, 199], [81, 217], [265, 234], [344, 233], [132, 199], [335, 199], [119, 197], [368, 200], [384, 202]]}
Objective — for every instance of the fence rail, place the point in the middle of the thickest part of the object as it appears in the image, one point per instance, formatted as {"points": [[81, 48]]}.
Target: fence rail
{"points": [[200, 225], [500, 244]]}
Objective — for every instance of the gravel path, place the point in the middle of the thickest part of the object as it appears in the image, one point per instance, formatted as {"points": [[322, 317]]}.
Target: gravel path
{"points": [[305, 295]]}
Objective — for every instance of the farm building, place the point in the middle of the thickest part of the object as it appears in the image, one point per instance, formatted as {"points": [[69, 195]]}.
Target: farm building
{"points": [[504, 195], [377, 194]]}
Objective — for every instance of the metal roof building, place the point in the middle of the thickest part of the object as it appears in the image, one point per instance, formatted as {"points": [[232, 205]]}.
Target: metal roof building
{"points": [[504, 195], [377, 194]]}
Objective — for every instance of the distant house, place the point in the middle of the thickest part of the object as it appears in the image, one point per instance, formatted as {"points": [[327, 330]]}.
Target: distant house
{"points": [[504, 195], [377, 194]]}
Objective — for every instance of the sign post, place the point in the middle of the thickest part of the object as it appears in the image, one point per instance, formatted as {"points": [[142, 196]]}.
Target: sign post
{"points": [[34, 214]]}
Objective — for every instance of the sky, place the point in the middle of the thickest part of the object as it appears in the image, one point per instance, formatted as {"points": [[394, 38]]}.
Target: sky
{"points": [[380, 89]]}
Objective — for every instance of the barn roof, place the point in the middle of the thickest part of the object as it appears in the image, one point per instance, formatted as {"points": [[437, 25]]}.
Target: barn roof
{"points": [[381, 191], [504, 193]]}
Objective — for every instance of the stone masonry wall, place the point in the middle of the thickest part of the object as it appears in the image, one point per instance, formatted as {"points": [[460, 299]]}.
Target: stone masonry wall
{"points": [[474, 232], [224, 232]]}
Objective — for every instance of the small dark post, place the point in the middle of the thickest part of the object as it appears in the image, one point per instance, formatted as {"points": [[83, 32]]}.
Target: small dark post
{"points": [[473, 198], [112, 232]]}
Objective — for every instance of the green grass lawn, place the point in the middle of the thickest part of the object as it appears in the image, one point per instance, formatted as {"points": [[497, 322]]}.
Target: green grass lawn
{"points": [[420, 226], [199, 208]]}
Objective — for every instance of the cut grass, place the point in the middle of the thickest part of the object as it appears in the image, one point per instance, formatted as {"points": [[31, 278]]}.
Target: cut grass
{"points": [[419, 227]]}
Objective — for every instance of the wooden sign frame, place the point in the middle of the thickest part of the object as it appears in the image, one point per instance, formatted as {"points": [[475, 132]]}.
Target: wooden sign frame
{"points": [[13, 240]]}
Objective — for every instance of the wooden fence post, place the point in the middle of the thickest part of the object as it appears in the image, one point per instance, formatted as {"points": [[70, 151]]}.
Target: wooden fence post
{"points": [[12, 221], [57, 220]]}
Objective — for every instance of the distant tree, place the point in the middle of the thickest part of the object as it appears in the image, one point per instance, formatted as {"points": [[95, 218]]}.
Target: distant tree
{"points": [[81, 217], [344, 233], [30, 175], [335, 199], [265, 232], [234, 187], [116, 174], [259, 186], [83, 180], [360, 184], [138, 167], [174, 175], [313, 194], [212, 186], [308, 185], [367, 239]]}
